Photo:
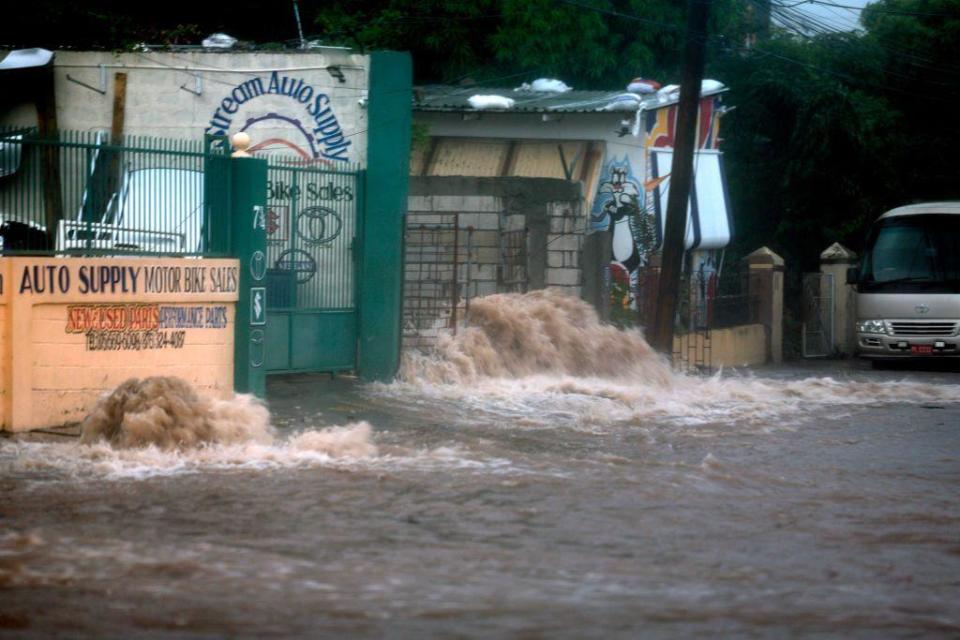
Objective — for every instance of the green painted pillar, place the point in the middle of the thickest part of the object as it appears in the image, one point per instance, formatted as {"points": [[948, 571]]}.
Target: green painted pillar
{"points": [[248, 242], [216, 196], [381, 262]]}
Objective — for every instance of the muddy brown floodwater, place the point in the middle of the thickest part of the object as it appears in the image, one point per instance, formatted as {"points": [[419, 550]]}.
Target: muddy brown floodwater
{"points": [[510, 486]]}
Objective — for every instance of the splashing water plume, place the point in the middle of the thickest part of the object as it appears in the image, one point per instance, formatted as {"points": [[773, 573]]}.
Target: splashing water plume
{"points": [[167, 413], [161, 425], [546, 358], [543, 332]]}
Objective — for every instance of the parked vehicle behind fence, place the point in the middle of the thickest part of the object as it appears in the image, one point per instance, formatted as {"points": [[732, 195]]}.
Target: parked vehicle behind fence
{"points": [[145, 198], [155, 211]]}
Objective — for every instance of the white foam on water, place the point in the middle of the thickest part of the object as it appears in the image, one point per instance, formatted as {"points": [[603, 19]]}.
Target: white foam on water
{"points": [[536, 360], [350, 447], [592, 403], [335, 446], [160, 426], [544, 359]]}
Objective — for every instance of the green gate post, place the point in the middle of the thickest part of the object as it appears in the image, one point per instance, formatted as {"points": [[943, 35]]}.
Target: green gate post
{"points": [[248, 242], [216, 195], [381, 262]]}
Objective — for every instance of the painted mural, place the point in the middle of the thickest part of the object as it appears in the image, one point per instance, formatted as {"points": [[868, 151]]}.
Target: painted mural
{"points": [[621, 205], [660, 125]]}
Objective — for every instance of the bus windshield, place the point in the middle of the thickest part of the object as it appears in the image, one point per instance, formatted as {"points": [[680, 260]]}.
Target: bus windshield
{"points": [[919, 253]]}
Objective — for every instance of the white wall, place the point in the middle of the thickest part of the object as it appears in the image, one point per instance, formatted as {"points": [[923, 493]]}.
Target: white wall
{"points": [[522, 126], [248, 89]]}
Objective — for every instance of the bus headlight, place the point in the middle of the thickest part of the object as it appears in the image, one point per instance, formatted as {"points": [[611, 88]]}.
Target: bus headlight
{"points": [[872, 326]]}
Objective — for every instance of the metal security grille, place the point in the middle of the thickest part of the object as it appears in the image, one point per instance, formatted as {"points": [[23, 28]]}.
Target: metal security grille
{"points": [[818, 315], [312, 226], [931, 328], [700, 310], [513, 261], [81, 193], [432, 292], [448, 263]]}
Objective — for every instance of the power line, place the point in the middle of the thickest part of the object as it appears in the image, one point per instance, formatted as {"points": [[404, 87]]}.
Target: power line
{"points": [[788, 59], [879, 9], [617, 14], [803, 25]]}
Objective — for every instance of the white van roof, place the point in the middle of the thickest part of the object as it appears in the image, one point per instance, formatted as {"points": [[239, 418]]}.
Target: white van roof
{"points": [[927, 207]]}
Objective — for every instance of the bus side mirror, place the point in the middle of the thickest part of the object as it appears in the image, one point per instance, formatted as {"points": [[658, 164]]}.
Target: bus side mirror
{"points": [[853, 275]]}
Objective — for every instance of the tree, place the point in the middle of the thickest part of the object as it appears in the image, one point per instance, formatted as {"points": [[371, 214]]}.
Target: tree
{"points": [[832, 130]]}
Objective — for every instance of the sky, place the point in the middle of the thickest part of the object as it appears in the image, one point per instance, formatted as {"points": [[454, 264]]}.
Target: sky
{"points": [[837, 17]]}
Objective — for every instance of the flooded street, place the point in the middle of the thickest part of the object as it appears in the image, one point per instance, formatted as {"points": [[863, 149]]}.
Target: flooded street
{"points": [[791, 501]]}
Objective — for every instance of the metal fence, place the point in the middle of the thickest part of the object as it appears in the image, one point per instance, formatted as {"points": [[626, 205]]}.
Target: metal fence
{"points": [[700, 310], [449, 263], [818, 315], [432, 293], [513, 261], [79, 193]]}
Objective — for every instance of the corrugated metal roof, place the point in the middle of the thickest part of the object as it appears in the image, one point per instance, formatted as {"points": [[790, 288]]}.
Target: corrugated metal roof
{"points": [[456, 98]]}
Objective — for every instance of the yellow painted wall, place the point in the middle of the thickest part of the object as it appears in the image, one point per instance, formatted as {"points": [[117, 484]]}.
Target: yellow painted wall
{"points": [[72, 328], [740, 346], [4, 351]]}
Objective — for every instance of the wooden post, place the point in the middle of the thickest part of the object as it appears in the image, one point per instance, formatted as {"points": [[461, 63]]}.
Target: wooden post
{"points": [[116, 131], [119, 107], [681, 175]]}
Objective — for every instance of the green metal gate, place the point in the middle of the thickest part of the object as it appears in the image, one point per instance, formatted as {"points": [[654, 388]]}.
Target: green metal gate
{"points": [[313, 226]]}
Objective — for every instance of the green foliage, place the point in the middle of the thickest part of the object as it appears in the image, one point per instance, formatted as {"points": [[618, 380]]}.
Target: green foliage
{"points": [[621, 315], [832, 130], [556, 39], [448, 38], [590, 44], [827, 131], [419, 135]]}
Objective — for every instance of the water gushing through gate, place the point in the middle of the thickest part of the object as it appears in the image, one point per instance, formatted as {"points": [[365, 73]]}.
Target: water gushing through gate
{"points": [[546, 357]]}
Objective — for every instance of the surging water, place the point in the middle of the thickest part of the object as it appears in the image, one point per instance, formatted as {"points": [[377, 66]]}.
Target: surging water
{"points": [[167, 413], [160, 425], [546, 357], [540, 475], [542, 332], [535, 360]]}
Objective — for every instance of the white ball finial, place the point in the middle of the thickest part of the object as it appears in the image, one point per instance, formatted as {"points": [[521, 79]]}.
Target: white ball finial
{"points": [[240, 142]]}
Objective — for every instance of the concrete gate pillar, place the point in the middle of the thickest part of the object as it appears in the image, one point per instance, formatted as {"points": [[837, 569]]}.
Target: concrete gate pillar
{"points": [[764, 275], [248, 243], [835, 260]]}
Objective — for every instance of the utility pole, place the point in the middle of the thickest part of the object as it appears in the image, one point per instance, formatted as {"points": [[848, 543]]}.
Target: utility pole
{"points": [[296, 14], [681, 176]]}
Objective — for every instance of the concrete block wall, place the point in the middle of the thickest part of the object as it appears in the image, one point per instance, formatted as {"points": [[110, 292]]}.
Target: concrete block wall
{"points": [[565, 246], [488, 213]]}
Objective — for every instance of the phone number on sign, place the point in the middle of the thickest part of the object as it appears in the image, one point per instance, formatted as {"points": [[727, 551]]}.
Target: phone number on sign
{"points": [[134, 340]]}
